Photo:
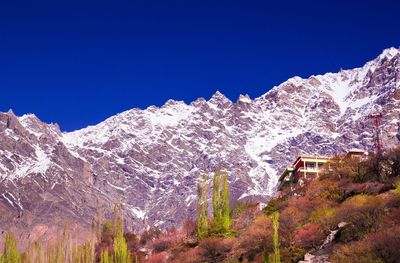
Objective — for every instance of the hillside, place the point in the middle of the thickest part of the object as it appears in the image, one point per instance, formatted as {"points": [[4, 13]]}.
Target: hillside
{"points": [[350, 213]]}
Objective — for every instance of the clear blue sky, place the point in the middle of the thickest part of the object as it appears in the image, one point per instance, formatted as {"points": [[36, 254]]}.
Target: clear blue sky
{"points": [[78, 62]]}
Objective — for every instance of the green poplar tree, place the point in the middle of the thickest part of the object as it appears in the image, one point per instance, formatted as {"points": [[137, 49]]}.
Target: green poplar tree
{"points": [[202, 208], [275, 240], [221, 211], [105, 257], [225, 203], [216, 199], [11, 254], [121, 252], [266, 256]]}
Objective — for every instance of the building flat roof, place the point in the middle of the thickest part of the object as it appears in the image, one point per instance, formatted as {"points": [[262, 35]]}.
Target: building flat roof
{"points": [[321, 158]]}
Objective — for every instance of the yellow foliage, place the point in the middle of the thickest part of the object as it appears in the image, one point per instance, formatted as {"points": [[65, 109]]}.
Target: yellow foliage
{"points": [[361, 200]]}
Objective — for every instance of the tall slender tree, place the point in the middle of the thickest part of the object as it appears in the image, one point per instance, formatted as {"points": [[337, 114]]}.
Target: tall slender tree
{"points": [[221, 211], [202, 208], [11, 254], [216, 199], [275, 240], [105, 257], [121, 252], [225, 203]]}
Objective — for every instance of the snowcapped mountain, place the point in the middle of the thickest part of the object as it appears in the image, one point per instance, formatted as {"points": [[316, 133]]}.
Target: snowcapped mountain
{"points": [[152, 159]]}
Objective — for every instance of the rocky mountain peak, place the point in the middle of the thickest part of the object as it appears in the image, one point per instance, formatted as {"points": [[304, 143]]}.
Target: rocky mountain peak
{"points": [[244, 98], [389, 53], [172, 103], [219, 99]]}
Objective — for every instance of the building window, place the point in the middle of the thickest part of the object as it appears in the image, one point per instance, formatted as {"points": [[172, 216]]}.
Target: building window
{"points": [[310, 166]]}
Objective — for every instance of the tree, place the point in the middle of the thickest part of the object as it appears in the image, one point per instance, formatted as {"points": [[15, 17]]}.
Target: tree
{"points": [[397, 189], [225, 204], [105, 257], [220, 200], [121, 252], [266, 256], [309, 236], [118, 221], [202, 208], [216, 200], [220, 204], [215, 249], [11, 254], [275, 240]]}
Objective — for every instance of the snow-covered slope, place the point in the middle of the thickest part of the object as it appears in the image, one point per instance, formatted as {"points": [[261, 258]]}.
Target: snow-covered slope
{"points": [[153, 158]]}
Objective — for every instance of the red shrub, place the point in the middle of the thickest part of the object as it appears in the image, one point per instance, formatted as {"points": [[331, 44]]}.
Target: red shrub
{"points": [[166, 240], [256, 239], [215, 249], [149, 235], [289, 220], [132, 241], [189, 256], [189, 228], [158, 258], [310, 236], [386, 244]]}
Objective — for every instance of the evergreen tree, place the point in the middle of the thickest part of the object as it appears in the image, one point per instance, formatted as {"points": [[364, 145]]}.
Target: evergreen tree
{"points": [[11, 254]]}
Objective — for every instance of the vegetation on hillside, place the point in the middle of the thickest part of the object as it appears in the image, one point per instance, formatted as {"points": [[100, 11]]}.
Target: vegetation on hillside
{"points": [[363, 198]]}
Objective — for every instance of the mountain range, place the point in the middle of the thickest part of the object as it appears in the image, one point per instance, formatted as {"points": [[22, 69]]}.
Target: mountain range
{"points": [[151, 160]]}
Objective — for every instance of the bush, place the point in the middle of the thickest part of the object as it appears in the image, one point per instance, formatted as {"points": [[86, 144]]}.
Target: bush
{"points": [[215, 249], [386, 244], [149, 235], [161, 244], [256, 239], [291, 218], [132, 241], [189, 256], [363, 214], [324, 190], [158, 258], [357, 253], [324, 216], [309, 236], [273, 206], [397, 190], [292, 254], [382, 246], [107, 227], [189, 228]]}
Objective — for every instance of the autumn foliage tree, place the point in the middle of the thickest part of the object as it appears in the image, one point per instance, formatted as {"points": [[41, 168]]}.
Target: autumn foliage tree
{"points": [[309, 236]]}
